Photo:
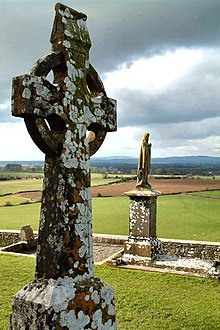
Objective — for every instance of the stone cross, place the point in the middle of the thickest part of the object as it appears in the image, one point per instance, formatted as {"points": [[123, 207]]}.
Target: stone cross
{"points": [[58, 116]]}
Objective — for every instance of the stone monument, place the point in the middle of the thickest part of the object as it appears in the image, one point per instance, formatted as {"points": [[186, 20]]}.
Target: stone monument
{"points": [[142, 245], [65, 294]]}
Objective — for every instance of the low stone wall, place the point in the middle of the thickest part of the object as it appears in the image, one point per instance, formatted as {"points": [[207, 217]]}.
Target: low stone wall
{"points": [[190, 249], [8, 237], [169, 247], [109, 239]]}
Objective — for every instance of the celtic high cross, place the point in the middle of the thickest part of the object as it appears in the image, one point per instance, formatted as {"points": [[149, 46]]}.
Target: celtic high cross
{"points": [[58, 116]]}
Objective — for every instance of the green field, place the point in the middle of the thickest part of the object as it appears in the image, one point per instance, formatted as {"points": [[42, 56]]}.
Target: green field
{"points": [[143, 300], [188, 217], [13, 200], [14, 186], [214, 193], [98, 179], [14, 217], [217, 177], [23, 175], [29, 184], [179, 216]]}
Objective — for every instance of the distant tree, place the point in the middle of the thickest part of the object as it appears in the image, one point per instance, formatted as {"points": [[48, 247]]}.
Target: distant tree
{"points": [[13, 167]]}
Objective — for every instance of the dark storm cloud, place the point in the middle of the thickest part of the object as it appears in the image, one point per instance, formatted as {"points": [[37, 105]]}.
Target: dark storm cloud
{"points": [[133, 28]]}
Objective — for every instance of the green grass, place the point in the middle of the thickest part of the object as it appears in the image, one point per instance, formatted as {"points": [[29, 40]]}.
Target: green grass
{"points": [[188, 217], [21, 174], [144, 300], [97, 179], [209, 177], [28, 184], [14, 186], [179, 217], [111, 215], [13, 199], [14, 217], [15, 272], [214, 193]]}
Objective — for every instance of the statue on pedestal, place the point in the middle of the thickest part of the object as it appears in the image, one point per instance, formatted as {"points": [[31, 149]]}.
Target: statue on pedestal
{"points": [[144, 163]]}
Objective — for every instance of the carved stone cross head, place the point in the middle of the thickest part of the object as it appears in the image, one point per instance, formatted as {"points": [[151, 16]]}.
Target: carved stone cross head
{"points": [[58, 114]]}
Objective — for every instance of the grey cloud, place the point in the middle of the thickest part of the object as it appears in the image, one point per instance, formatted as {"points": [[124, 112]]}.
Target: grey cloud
{"points": [[146, 27], [5, 115], [192, 98], [120, 31], [183, 131]]}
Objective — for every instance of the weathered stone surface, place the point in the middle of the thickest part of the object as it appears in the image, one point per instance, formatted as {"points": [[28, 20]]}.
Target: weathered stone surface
{"points": [[58, 116], [191, 249], [65, 303], [27, 233], [142, 216], [8, 237]]}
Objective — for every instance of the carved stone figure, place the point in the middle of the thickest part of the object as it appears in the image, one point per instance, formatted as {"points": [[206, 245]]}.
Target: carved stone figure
{"points": [[144, 163]]}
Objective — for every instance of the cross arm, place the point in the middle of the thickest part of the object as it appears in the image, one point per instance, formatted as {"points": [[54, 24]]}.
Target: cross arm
{"points": [[33, 95]]}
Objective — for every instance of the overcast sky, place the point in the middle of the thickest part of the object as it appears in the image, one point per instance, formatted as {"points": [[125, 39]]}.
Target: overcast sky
{"points": [[160, 59]]}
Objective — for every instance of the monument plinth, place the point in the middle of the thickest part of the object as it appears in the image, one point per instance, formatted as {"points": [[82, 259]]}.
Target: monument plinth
{"points": [[58, 115], [142, 244]]}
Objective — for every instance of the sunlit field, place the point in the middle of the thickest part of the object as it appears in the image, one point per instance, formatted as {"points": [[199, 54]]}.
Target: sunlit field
{"points": [[143, 300], [178, 216]]}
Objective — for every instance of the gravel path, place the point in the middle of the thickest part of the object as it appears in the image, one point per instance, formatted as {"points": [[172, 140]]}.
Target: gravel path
{"points": [[104, 251]]}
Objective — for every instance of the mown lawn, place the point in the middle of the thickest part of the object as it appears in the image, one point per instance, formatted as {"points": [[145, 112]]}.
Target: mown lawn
{"points": [[179, 216], [144, 300], [15, 217]]}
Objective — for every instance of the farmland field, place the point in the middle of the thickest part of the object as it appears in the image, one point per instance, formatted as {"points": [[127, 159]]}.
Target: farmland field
{"points": [[166, 186], [14, 186], [30, 184], [215, 193], [23, 175], [179, 216], [13, 200]]}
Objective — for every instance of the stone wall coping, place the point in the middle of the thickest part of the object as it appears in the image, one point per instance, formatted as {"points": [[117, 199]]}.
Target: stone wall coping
{"points": [[188, 241], [14, 231], [110, 236], [125, 238], [9, 231]]}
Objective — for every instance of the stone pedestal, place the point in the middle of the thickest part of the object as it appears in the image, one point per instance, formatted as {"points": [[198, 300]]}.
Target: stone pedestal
{"points": [[65, 303], [142, 245]]}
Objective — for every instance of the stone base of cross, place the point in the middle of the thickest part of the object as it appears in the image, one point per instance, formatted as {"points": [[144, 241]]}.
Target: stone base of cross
{"points": [[65, 303], [65, 294]]}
